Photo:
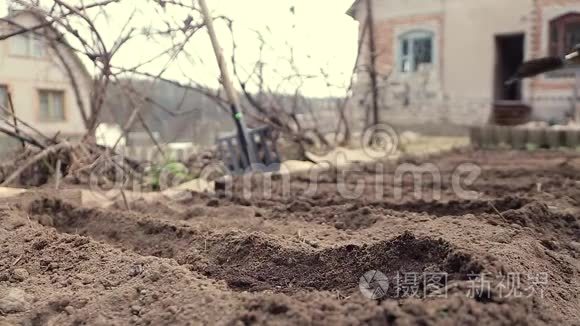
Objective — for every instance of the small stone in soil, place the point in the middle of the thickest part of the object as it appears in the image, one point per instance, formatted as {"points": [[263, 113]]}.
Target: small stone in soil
{"points": [[20, 274], [135, 270], [135, 309]]}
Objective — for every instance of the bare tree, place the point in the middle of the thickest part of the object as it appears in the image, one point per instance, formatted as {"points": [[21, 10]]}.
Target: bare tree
{"points": [[80, 31], [90, 55], [282, 104]]}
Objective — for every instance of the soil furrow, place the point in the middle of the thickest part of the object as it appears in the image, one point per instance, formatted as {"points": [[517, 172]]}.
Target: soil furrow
{"points": [[254, 262]]}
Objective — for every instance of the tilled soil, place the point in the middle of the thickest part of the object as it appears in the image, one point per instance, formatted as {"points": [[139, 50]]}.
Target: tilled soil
{"points": [[294, 255]]}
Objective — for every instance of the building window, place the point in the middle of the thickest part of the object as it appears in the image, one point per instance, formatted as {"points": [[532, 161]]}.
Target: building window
{"points": [[564, 34], [51, 106], [415, 49], [27, 45]]}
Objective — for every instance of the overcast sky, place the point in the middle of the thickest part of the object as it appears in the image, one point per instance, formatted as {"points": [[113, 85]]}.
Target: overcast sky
{"points": [[323, 36], [319, 31]]}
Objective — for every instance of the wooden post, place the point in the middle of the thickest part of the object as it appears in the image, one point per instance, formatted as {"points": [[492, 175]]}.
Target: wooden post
{"points": [[373, 62], [243, 137]]}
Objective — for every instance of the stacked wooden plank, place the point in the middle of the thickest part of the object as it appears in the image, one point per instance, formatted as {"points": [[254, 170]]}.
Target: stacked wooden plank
{"points": [[522, 137]]}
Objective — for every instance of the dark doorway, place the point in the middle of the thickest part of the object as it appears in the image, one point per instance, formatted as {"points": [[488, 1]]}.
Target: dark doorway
{"points": [[509, 56]]}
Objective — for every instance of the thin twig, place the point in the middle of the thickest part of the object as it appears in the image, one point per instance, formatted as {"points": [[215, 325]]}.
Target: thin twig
{"points": [[17, 260], [496, 210], [11, 104], [52, 21], [22, 137], [24, 123], [125, 199]]}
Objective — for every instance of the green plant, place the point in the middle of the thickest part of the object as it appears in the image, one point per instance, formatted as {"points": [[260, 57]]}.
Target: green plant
{"points": [[532, 147], [169, 173]]}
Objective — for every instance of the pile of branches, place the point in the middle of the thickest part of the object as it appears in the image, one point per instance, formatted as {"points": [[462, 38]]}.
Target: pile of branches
{"points": [[78, 163], [42, 159]]}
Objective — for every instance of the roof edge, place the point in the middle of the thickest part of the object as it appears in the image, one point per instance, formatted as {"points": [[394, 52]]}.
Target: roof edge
{"points": [[41, 19]]}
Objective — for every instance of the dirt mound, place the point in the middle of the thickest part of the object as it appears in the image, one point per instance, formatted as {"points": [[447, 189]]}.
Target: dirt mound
{"points": [[252, 261], [457, 309], [262, 266], [92, 283]]}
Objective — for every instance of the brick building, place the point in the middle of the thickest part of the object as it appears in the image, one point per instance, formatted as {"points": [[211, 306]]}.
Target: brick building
{"points": [[447, 60]]}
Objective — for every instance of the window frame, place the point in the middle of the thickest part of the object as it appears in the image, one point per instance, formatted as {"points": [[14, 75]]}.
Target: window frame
{"points": [[558, 47], [559, 24], [64, 104], [410, 37], [31, 39]]}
